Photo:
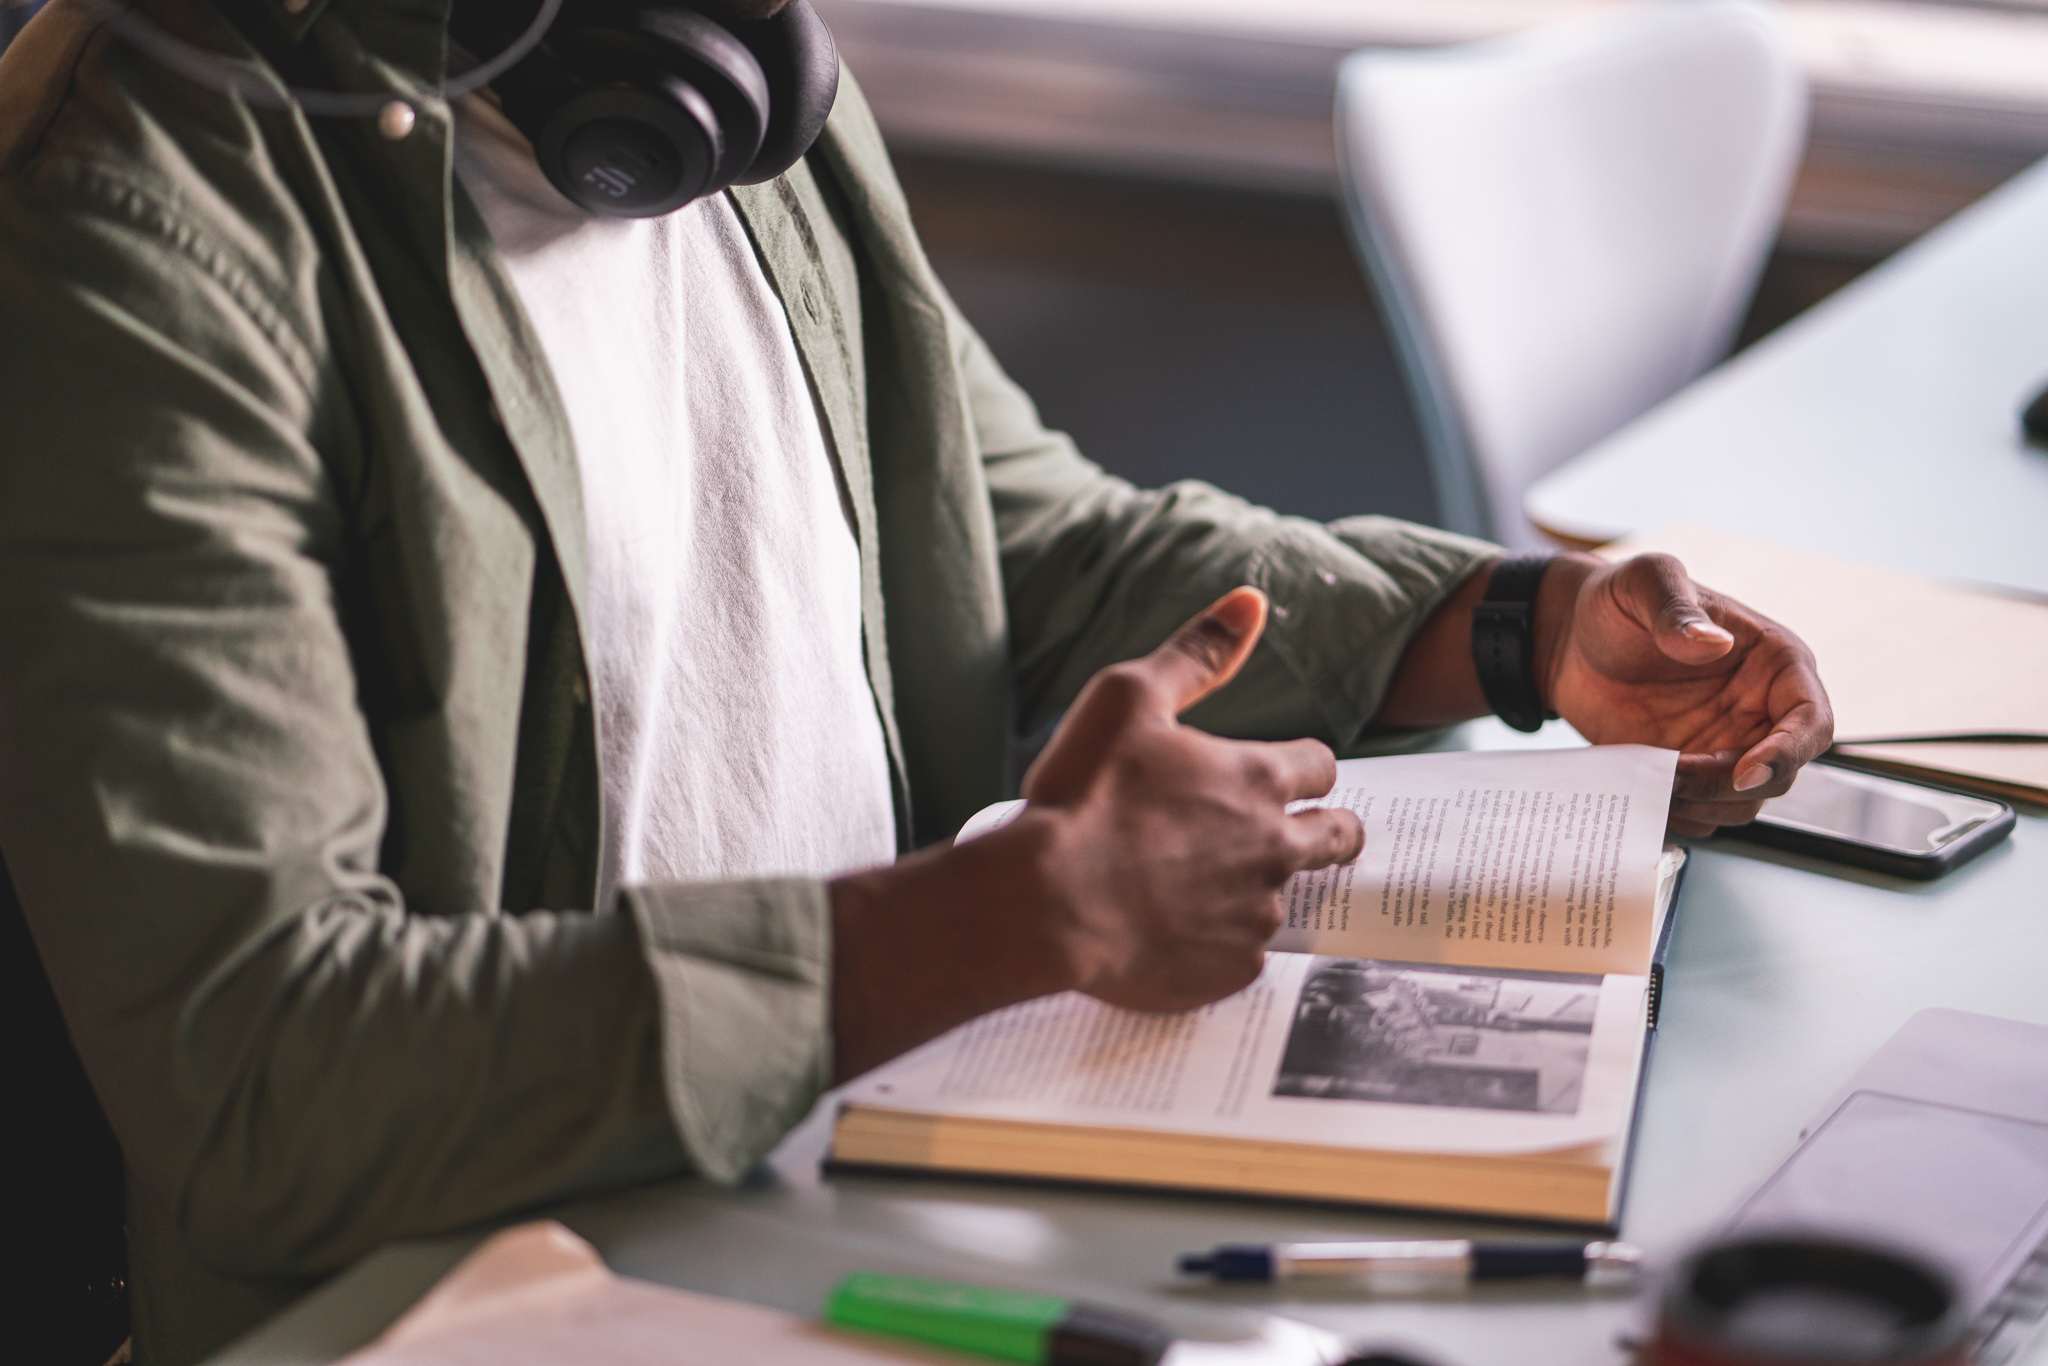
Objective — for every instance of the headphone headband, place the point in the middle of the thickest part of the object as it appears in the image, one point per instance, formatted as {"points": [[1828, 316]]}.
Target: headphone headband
{"points": [[635, 109], [802, 64], [632, 109]]}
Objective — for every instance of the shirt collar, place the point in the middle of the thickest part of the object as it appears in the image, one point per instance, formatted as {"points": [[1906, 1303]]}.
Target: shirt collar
{"points": [[409, 34], [293, 18]]}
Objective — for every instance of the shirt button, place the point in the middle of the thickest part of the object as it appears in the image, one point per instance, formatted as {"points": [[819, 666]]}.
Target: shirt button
{"points": [[396, 119], [579, 690]]}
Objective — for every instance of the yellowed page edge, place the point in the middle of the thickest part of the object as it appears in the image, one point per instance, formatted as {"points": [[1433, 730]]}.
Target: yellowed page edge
{"points": [[1552, 1186]]}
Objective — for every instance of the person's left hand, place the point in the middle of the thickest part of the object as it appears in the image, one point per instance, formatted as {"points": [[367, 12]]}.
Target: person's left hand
{"points": [[1635, 652]]}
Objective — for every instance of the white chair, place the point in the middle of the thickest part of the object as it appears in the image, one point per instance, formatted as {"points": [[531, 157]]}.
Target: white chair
{"points": [[1565, 226]]}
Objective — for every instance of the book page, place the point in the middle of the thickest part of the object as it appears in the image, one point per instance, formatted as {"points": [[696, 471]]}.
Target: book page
{"points": [[1341, 1051], [1526, 859], [1535, 859]]}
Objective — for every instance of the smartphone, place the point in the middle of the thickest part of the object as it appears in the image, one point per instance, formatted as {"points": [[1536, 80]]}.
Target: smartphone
{"points": [[1871, 821]]}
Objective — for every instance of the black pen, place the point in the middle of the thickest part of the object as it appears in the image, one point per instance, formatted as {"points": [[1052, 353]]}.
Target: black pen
{"points": [[1406, 1264]]}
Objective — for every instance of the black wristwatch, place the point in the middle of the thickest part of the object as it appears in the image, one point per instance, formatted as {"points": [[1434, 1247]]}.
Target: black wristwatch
{"points": [[1504, 642]]}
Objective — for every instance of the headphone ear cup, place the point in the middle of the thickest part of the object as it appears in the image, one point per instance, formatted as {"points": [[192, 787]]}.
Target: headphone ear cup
{"points": [[657, 48], [637, 107], [726, 70], [801, 62], [632, 150], [614, 147]]}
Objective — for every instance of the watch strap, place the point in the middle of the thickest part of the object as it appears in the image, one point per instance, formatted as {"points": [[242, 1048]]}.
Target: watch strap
{"points": [[1504, 641]]}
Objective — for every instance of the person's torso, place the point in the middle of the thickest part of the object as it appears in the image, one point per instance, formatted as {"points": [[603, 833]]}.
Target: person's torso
{"points": [[449, 525], [738, 734]]}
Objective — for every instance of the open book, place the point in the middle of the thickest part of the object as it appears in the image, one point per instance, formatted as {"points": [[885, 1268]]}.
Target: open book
{"points": [[1457, 1020]]}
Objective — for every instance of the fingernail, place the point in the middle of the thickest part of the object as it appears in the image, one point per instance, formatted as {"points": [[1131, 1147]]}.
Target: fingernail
{"points": [[1239, 611], [1221, 623], [1706, 630], [1756, 775]]}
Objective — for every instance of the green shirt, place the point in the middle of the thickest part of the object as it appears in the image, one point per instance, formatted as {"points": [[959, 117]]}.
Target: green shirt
{"points": [[297, 774]]}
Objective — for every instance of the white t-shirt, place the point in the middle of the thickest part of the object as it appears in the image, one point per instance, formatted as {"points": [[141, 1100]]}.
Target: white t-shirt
{"points": [[738, 735]]}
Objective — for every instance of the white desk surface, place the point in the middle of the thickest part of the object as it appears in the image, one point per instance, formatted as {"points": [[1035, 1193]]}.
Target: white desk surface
{"points": [[1783, 976], [1882, 425]]}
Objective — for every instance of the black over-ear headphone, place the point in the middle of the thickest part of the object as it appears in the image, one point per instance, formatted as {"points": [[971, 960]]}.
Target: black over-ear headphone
{"points": [[637, 107]]}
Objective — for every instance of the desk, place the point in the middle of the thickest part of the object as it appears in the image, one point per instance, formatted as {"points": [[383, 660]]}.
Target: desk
{"points": [[1882, 425], [1783, 976]]}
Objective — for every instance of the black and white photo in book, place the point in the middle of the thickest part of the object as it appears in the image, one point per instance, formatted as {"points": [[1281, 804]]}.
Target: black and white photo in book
{"points": [[1428, 1034]]}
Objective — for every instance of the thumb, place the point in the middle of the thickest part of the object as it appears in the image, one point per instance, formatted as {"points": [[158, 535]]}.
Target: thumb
{"points": [[1664, 597], [1190, 664], [1208, 650]]}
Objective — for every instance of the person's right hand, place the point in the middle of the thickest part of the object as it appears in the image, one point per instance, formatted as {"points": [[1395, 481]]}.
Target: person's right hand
{"points": [[1162, 849], [1146, 869]]}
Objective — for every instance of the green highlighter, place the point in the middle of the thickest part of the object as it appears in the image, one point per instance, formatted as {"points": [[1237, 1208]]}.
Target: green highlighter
{"points": [[1008, 1325]]}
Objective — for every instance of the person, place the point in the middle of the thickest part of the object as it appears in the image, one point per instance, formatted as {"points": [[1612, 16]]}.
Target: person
{"points": [[485, 689]]}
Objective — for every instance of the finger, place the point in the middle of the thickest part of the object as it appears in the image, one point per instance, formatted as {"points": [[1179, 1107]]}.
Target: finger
{"points": [[1194, 661], [1716, 814], [1324, 836], [1703, 777], [1692, 830], [1208, 651], [1711, 778], [1293, 770], [1661, 595], [1226, 972], [1083, 737], [1802, 734]]}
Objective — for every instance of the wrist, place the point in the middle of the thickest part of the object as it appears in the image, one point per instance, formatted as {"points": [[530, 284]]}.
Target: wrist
{"points": [[1503, 640], [1005, 905], [938, 938], [1554, 609]]}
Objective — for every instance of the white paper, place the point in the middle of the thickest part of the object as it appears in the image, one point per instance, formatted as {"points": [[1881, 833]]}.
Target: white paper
{"points": [[538, 1295]]}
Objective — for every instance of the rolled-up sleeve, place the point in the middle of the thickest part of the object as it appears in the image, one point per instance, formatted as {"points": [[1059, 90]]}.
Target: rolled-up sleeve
{"points": [[743, 972], [303, 1055]]}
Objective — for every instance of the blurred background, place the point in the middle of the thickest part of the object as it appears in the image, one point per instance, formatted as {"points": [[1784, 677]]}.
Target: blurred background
{"points": [[1136, 202]]}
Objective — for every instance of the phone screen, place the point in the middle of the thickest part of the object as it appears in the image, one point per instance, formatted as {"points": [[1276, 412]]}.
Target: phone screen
{"points": [[1873, 810]]}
